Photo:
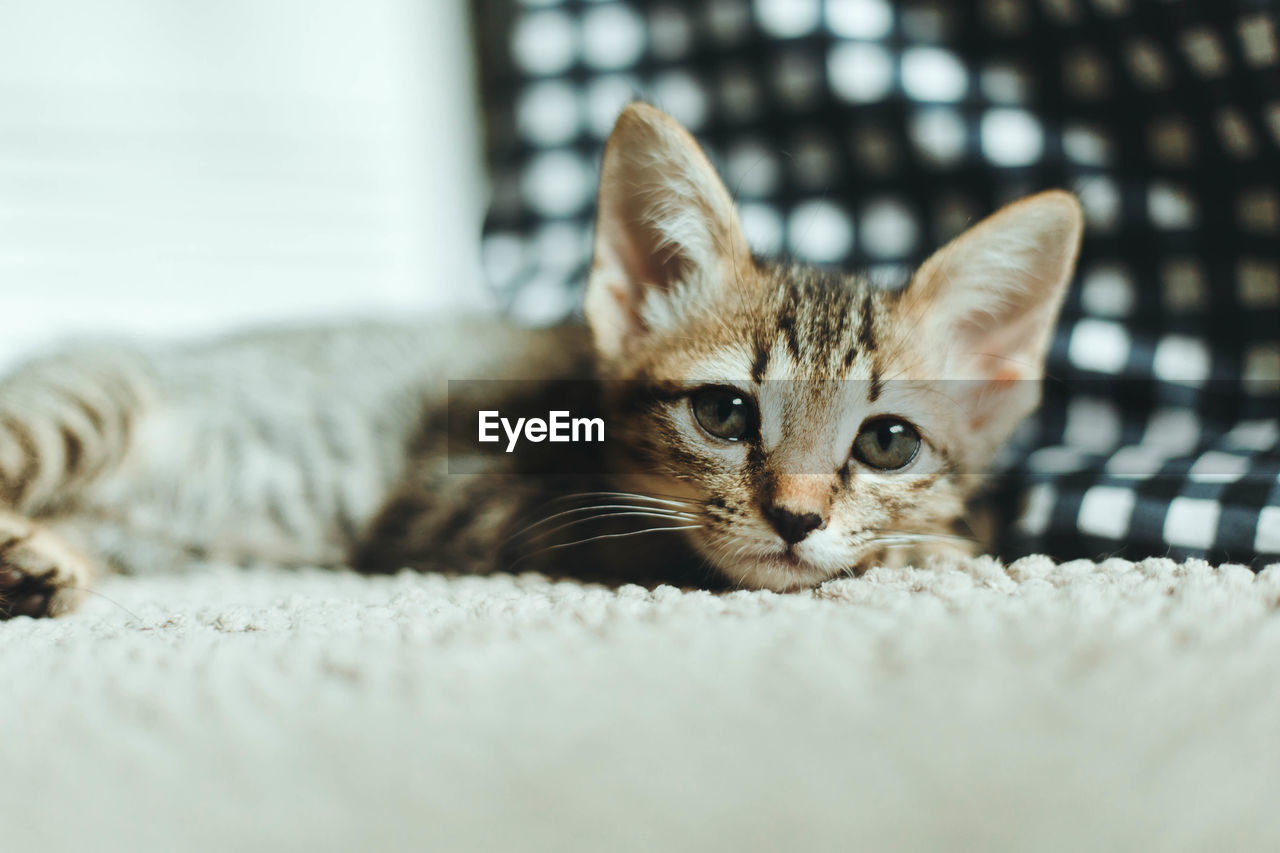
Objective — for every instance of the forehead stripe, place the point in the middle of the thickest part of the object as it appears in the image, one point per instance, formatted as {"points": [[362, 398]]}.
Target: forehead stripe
{"points": [[787, 325], [866, 332], [875, 386], [760, 363], [850, 356]]}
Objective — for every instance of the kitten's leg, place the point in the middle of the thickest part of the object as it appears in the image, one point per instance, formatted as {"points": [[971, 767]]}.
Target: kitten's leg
{"points": [[63, 423], [40, 574]]}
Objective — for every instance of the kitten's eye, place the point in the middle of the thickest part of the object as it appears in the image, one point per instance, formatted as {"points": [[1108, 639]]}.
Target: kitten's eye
{"points": [[886, 443], [724, 412]]}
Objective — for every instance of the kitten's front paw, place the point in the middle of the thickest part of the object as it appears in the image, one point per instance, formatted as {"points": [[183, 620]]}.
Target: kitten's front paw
{"points": [[40, 574]]}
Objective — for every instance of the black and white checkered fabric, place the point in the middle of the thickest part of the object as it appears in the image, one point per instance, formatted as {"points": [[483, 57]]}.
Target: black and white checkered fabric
{"points": [[864, 133]]}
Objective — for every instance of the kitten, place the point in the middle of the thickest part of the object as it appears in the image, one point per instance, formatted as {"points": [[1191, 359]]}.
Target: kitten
{"points": [[777, 423]]}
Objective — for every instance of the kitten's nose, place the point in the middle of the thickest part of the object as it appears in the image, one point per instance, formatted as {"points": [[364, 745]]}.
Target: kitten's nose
{"points": [[792, 526]]}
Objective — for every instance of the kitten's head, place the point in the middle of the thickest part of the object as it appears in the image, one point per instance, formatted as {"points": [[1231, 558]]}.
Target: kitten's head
{"points": [[809, 419]]}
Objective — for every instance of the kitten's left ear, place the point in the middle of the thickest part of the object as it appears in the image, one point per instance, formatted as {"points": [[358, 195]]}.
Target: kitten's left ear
{"points": [[988, 300], [665, 223]]}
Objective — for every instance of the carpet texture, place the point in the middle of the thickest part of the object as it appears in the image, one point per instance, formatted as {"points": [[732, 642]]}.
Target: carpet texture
{"points": [[1038, 706]]}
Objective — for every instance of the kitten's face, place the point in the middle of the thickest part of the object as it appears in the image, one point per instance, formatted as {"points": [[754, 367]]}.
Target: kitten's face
{"points": [[808, 419], [787, 417]]}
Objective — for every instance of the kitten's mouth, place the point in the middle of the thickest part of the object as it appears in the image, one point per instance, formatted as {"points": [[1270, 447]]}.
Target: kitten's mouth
{"points": [[789, 557], [785, 569], [764, 565]]}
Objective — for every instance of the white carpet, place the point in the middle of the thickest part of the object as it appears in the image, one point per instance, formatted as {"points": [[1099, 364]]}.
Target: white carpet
{"points": [[1117, 706]]}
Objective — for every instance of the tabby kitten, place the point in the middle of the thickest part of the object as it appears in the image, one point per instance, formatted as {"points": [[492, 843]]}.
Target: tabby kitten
{"points": [[779, 424]]}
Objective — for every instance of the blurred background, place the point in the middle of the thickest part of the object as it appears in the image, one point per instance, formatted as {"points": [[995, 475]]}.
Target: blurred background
{"points": [[168, 169], [173, 168]]}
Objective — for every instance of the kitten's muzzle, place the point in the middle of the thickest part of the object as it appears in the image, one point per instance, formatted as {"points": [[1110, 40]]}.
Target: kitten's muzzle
{"points": [[793, 527]]}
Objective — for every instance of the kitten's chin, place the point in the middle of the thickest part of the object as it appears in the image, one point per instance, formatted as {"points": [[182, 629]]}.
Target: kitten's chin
{"points": [[780, 572]]}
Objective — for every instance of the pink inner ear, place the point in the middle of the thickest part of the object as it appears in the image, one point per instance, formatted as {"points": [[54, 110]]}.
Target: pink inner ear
{"points": [[996, 401], [639, 246]]}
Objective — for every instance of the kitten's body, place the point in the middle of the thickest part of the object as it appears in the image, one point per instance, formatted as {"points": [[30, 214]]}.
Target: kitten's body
{"points": [[330, 447], [271, 446]]}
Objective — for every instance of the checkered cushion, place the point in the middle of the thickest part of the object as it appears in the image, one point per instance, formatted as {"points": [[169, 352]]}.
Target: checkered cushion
{"points": [[863, 133]]}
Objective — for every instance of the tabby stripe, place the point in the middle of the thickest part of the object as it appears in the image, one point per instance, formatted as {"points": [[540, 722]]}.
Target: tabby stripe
{"points": [[866, 331], [787, 325], [761, 361], [924, 483], [28, 452], [72, 450]]}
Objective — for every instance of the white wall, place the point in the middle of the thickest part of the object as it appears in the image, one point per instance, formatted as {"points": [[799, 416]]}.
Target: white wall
{"points": [[170, 167]]}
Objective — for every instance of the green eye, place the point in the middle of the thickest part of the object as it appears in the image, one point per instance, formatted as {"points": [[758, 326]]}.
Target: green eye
{"points": [[724, 412], [886, 443]]}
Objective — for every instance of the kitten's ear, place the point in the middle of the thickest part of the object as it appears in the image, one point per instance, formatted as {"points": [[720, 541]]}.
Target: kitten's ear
{"points": [[665, 223], [990, 297]]}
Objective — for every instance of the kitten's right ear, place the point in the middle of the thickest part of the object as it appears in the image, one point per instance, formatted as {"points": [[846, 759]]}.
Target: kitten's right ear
{"points": [[990, 297], [986, 305], [665, 228]]}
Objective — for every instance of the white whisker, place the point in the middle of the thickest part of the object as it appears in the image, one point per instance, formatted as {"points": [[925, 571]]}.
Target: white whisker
{"points": [[586, 509], [910, 538], [631, 495], [667, 515], [603, 536]]}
